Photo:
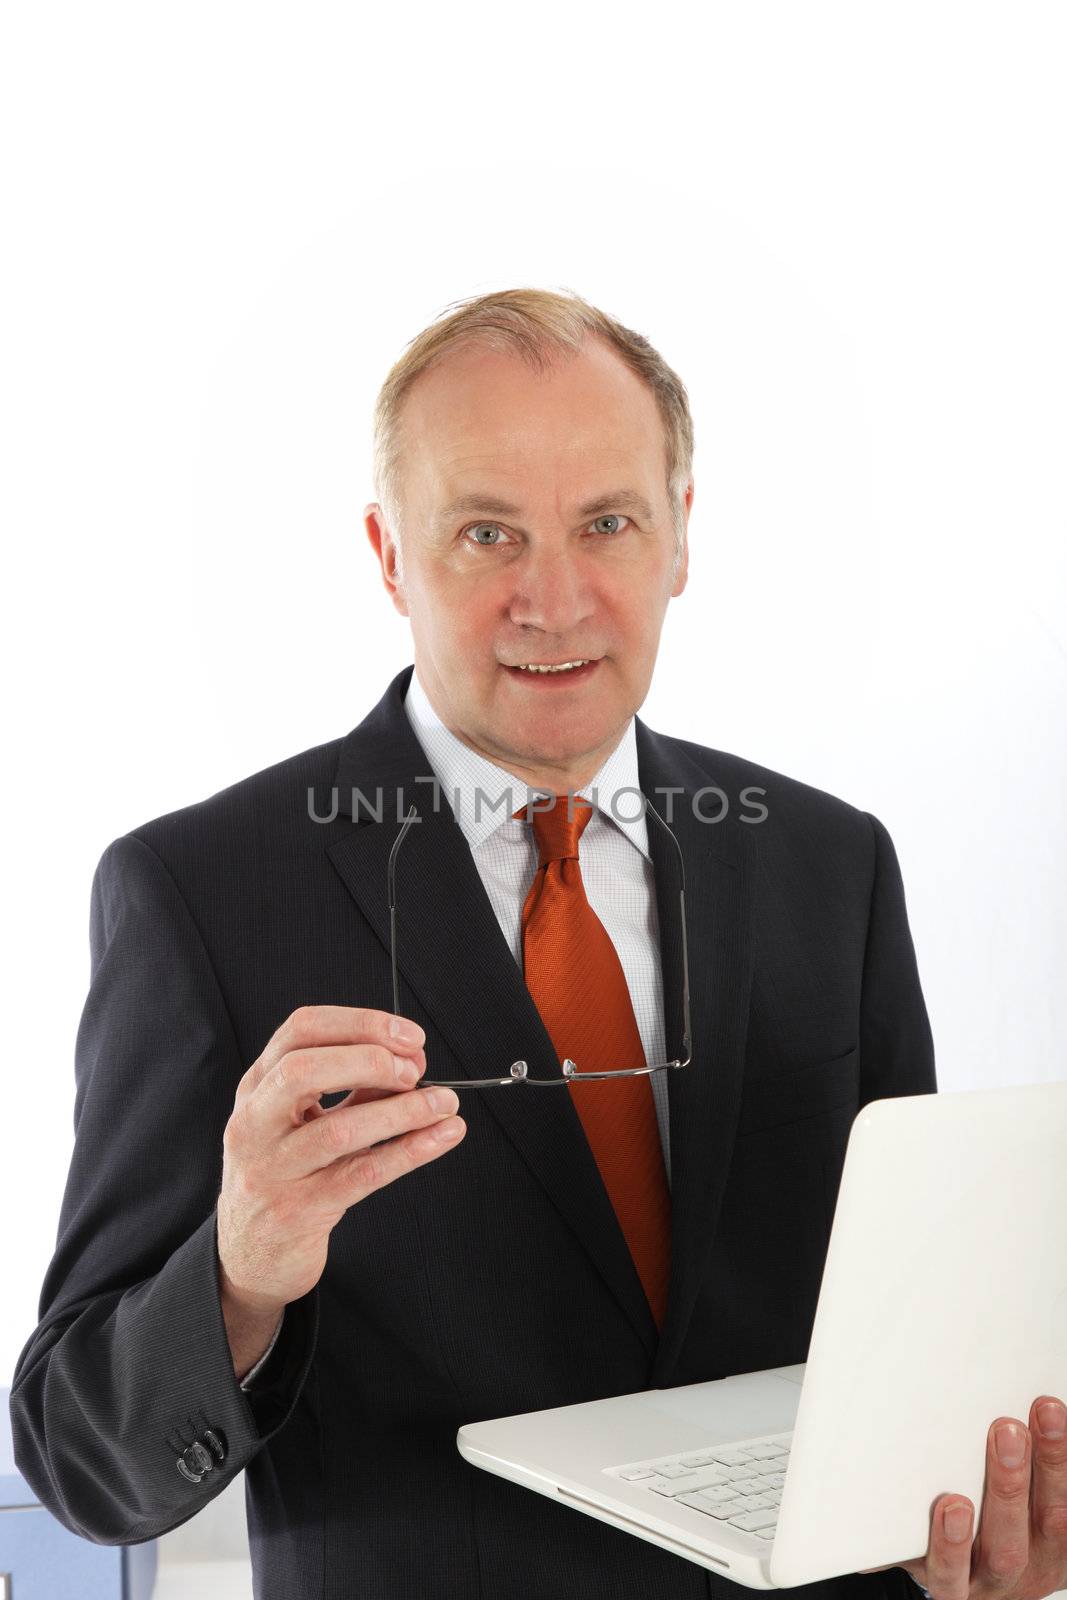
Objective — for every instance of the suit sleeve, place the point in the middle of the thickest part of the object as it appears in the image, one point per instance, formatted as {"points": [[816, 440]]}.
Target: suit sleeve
{"points": [[129, 1365], [896, 1044]]}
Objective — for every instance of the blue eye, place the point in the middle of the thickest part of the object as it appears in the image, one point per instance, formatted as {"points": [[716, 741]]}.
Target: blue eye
{"points": [[476, 528], [479, 525]]}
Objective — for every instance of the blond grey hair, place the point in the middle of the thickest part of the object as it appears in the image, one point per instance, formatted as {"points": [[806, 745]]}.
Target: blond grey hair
{"points": [[539, 325]]}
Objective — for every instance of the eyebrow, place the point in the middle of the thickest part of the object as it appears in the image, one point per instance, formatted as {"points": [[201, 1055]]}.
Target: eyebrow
{"points": [[620, 499]]}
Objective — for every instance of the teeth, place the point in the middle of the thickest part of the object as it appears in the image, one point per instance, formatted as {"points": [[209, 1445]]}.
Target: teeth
{"points": [[564, 666]]}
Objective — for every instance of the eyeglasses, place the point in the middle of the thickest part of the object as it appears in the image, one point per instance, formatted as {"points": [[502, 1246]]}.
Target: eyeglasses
{"points": [[571, 1072]]}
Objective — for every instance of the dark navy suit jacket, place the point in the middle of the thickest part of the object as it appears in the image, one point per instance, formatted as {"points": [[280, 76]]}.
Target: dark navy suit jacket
{"points": [[496, 1279]]}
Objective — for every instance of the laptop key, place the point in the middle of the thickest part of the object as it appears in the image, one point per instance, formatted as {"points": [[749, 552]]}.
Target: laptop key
{"points": [[728, 1509], [762, 1452], [696, 1483], [700, 1502], [632, 1474], [707, 1479], [752, 1521], [731, 1456], [716, 1494]]}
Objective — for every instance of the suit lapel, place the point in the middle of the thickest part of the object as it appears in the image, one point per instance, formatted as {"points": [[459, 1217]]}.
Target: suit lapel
{"points": [[704, 1097], [456, 969]]}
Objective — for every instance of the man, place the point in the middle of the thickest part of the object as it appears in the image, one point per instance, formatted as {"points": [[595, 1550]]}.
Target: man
{"points": [[320, 1293]]}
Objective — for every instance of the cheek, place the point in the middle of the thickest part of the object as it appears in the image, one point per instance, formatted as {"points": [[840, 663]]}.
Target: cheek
{"points": [[449, 613], [634, 623], [475, 616], [465, 635]]}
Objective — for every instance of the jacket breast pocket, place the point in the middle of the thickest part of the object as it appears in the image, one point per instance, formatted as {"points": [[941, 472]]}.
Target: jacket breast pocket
{"points": [[778, 1099]]}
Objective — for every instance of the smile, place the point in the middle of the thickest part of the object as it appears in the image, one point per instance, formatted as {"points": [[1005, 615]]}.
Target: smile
{"points": [[550, 666], [554, 672]]}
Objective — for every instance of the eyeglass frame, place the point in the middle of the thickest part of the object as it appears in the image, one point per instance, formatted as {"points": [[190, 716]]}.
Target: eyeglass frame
{"points": [[571, 1073]]}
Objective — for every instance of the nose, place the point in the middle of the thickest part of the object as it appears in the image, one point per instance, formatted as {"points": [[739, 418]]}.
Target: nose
{"points": [[550, 591]]}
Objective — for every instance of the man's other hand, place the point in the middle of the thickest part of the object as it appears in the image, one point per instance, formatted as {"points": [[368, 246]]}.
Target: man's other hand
{"points": [[1021, 1549]]}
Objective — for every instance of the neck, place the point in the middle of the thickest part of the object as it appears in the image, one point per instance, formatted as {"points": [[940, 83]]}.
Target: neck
{"points": [[559, 778]]}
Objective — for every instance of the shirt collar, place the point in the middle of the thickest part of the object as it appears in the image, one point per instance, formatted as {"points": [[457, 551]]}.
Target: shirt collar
{"points": [[471, 782]]}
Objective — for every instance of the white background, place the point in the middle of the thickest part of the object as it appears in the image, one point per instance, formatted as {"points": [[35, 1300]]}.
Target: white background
{"points": [[842, 224]]}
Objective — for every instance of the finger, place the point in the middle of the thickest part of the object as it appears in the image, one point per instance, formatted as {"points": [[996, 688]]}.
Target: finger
{"points": [[1048, 1494], [355, 1097], [344, 1138], [352, 1180], [1004, 1535], [948, 1556], [308, 1026], [301, 1077]]}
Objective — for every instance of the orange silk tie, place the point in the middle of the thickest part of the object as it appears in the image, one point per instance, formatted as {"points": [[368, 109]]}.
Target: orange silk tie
{"points": [[575, 978]]}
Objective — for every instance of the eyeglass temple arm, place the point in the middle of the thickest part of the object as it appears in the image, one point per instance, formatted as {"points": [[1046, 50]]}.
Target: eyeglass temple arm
{"points": [[397, 842], [687, 1042], [649, 807]]}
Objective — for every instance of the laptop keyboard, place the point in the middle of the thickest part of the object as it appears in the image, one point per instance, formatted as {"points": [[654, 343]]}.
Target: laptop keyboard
{"points": [[736, 1484]]}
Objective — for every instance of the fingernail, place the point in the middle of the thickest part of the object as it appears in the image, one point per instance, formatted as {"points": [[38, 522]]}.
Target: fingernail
{"points": [[1053, 1419], [445, 1132], [405, 1070], [958, 1523], [1011, 1447], [442, 1099], [401, 1028]]}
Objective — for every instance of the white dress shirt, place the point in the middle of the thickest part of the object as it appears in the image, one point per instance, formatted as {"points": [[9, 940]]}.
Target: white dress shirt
{"points": [[613, 856]]}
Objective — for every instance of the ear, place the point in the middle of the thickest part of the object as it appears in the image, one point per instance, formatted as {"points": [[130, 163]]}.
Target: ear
{"points": [[387, 549], [682, 575]]}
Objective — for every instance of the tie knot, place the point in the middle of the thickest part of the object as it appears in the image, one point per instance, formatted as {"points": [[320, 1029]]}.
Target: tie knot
{"points": [[558, 830]]}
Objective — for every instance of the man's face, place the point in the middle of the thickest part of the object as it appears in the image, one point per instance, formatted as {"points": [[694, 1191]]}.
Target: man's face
{"points": [[562, 550]]}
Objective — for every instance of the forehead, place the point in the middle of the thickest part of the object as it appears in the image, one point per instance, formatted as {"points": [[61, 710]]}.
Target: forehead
{"points": [[482, 410]]}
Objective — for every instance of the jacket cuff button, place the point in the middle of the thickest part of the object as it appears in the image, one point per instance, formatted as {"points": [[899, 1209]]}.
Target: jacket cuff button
{"points": [[216, 1442]]}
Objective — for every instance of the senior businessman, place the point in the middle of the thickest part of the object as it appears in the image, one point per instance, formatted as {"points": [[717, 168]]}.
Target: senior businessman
{"points": [[277, 1251]]}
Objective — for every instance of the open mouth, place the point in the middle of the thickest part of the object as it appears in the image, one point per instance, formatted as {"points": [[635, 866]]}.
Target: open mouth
{"points": [[563, 672]]}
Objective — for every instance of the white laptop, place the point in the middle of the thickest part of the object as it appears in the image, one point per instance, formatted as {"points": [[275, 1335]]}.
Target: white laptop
{"points": [[943, 1305]]}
